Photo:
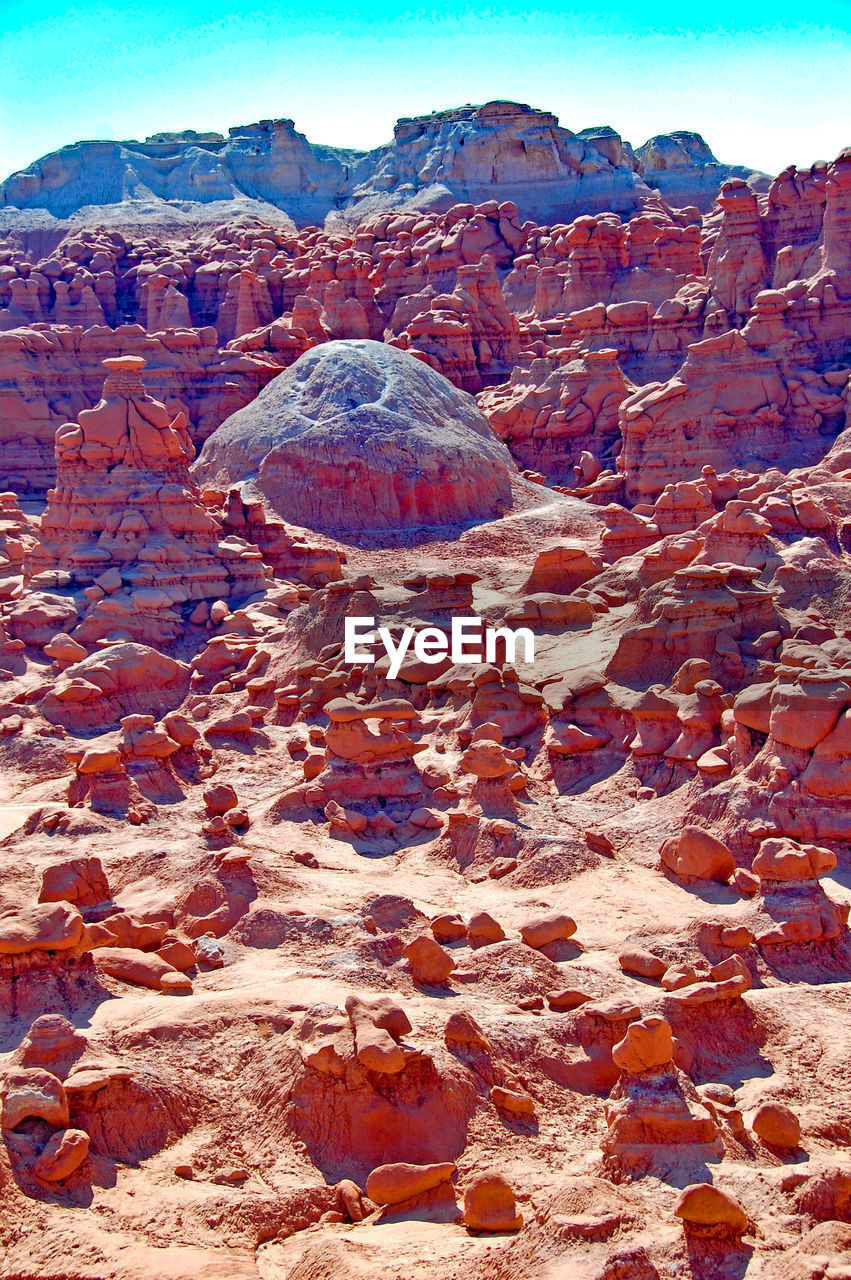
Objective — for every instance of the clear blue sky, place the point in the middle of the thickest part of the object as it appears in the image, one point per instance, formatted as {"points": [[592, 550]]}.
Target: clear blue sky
{"points": [[767, 84]]}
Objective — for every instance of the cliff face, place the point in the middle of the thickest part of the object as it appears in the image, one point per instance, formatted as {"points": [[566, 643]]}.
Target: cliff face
{"points": [[470, 153]]}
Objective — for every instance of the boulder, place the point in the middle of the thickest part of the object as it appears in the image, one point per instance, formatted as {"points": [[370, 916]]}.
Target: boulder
{"points": [[482, 929], [519, 1104], [220, 797], [698, 854], [396, 1183], [386, 441], [430, 964], [567, 999], [448, 928], [777, 1125], [462, 1029], [32, 1092], [702, 1205], [489, 1203], [540, 931], [642, 963], [64, 1153]]}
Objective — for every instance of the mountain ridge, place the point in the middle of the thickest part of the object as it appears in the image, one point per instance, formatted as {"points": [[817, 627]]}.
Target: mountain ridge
{"points": [[464, 154]]}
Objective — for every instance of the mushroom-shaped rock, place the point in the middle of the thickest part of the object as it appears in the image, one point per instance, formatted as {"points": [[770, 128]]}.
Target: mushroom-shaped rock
{"points": [[385, 440], [396, 1183], [702, 1205], [43, 926], [777, 1125], [659, 1107], [698, 854], [31, 1092], [65, 1152], [430, 964], [791, 906], [784, 859], [377, 1026], [124, 513], [647, 1046], [489, 1203], [540, 931]]}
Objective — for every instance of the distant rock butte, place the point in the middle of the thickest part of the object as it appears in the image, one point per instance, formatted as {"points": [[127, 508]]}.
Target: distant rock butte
{"points": [[503, 149]]}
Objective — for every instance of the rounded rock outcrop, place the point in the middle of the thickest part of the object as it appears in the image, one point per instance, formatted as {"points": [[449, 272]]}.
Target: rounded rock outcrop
{"points": [[357, 435]]}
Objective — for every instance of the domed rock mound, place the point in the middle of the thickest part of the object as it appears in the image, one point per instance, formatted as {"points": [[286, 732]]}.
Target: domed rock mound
{"points": [[361, 436]]}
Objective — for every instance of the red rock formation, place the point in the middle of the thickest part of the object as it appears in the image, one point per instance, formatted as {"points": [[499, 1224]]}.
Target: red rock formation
{"points": [[127, 521], [290, 945]]}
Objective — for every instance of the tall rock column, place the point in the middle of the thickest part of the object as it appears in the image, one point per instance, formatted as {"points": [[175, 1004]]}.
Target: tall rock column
{"points": [[125, 521]]}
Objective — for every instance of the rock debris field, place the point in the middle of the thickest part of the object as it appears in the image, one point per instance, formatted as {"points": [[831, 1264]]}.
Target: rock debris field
{"points": [[491, 970]]}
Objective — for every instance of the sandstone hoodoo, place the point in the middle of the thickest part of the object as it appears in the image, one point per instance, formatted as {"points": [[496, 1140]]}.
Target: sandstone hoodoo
{"points": [[126, 522], [425, 700], [361, 436]]}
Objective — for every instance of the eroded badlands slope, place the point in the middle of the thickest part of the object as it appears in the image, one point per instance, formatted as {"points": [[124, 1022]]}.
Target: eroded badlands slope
{"points": [[491, 969]]}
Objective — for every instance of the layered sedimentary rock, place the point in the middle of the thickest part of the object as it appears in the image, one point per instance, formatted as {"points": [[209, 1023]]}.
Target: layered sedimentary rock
{"points": [[52, 373], [559, 416], [436, 159], [539, 966], [750, 397], [744, 307], [358, 435], [125, 520]]}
